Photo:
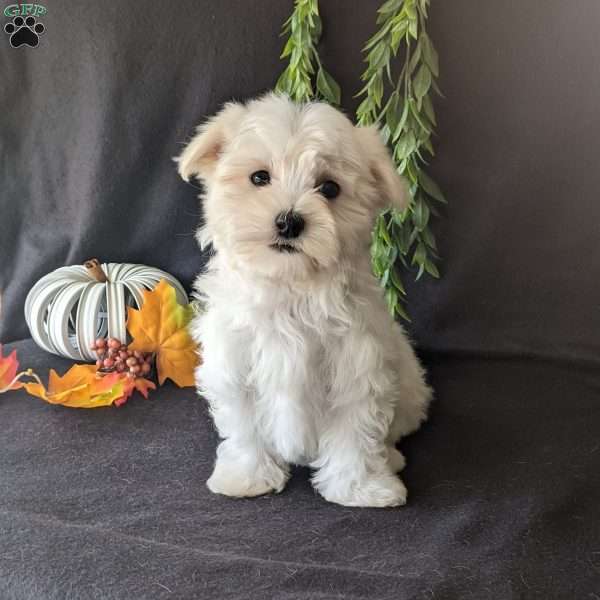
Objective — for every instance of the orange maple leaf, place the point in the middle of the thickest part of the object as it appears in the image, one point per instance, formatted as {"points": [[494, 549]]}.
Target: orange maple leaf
{"points": [[129, 385], [9, 365], [79, 387], [160, 326]]}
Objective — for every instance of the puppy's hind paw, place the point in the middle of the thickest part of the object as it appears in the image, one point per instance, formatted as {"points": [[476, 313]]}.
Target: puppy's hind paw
{"points": [[376, 491]]}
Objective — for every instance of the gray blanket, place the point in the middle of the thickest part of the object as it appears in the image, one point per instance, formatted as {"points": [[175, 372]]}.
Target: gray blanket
{"points": [[503, 501]]}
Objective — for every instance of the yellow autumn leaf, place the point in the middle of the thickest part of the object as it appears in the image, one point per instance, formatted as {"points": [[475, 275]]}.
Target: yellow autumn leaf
{"points": [[79, 387], [160, 326]]}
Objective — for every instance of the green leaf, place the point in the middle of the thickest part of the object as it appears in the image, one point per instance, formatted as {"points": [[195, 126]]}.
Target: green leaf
{"points": [[382, 58], [385, 277], [287, 24], [432, 269], [431, 187], [382, 232], [437, 90], [391, 297], [429, 147], [385, 134], [287, 49], [420, 214], [378, 266], [376, 90], [399, 22], [392, 112], [428, 237], [402, 236], [399, 217], [389, 7], [317, 29], [413, 236], [397, 36], [428, 109], [401, 123], [283, 84], [366, 106], [397, 282], [418, 152], [381, 33], [411, 11], [405, 146], [328, 87], [420, 254], [296, 57], [303, 10], [412, 171], [401, 312], [414, 110], [413, 28], [295, 20], [430, 55], [376, 56], [303, 92], [422, 82], [363, 90], [414, 59]]}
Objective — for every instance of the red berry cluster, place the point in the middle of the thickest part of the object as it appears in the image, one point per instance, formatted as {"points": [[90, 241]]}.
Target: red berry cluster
{"points": [[115, 356]]}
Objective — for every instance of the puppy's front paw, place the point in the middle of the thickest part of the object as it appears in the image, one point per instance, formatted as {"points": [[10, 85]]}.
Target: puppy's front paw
{"points": [[377, 491], [242, 480]]}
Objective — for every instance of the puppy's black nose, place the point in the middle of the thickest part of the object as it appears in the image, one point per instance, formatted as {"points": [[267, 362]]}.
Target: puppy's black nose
{"points": [[289, 224]]}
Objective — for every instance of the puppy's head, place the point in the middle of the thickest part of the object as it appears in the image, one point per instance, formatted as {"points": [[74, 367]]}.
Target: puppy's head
{"points": [[291, 189]]}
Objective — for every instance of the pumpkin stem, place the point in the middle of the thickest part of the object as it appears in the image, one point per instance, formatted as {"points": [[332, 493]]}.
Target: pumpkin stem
{"points": [[95, 270]]}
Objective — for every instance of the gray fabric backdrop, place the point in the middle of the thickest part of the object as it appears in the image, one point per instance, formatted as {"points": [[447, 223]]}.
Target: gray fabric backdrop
{"points": [[505, 476], [91, 118]]}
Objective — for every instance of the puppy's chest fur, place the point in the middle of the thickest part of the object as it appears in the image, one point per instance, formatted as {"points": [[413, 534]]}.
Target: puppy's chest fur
{"points": [[287, 346], [290, 374]]}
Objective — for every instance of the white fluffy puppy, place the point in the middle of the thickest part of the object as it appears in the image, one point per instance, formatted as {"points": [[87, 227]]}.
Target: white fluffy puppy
{"points": [[302, 362]]}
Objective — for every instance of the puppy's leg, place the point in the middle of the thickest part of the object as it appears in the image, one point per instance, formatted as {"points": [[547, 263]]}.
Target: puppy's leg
{"points": [[354, 467], [356, 463], [243, 467], [395, 459], [412, 393]]}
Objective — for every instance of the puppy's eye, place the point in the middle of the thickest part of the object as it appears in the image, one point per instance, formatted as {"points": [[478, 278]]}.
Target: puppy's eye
{"points": [[260, 178], [329, 189]]}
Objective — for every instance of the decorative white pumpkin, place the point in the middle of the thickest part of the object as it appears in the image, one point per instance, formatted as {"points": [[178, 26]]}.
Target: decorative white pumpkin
{"points": [[69, 308]]}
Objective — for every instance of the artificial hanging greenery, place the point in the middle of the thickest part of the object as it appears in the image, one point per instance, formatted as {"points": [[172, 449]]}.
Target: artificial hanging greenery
{"points": [[304, 28], [401, 105]]}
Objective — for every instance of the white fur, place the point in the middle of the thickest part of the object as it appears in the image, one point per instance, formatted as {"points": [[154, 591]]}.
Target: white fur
{"points": [[302, 362]]}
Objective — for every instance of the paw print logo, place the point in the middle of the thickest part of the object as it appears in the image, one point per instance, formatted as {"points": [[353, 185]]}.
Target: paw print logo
{"points": [[24, 31]]}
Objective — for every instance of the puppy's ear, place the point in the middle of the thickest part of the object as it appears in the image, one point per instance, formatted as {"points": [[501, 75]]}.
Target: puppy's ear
{"points": [[201, 155], [391, 186]]}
